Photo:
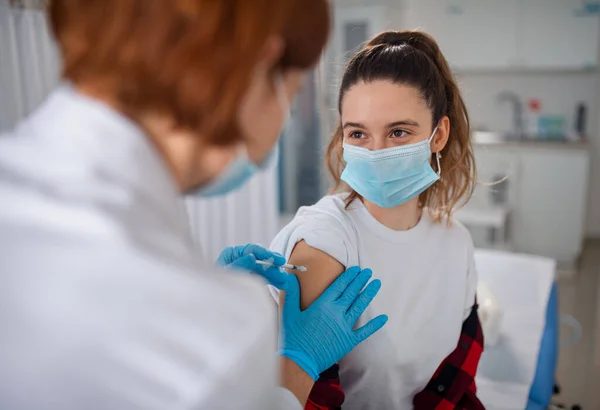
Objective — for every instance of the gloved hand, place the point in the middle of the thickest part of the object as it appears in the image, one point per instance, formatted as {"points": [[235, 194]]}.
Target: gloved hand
{"points": [[318, 337], [245, 257]]}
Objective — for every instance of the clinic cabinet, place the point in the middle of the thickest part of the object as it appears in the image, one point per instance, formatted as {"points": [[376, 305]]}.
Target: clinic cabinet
{"points": [[510, 34], [548, 184]]}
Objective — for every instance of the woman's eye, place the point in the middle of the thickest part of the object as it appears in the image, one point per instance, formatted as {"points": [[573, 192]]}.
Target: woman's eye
{"points": [[399, 133], [356, 135]]}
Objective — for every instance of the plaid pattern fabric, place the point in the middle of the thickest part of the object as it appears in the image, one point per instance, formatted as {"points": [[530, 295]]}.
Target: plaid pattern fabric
{"points": [[327, 393], [452, 386]]}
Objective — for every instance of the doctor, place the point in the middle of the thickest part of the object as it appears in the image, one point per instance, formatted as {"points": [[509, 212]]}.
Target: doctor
{"points": [[103, 302]]}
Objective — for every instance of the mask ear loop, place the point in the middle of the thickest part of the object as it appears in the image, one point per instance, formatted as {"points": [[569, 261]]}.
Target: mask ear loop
{"points": [[438, 155]]}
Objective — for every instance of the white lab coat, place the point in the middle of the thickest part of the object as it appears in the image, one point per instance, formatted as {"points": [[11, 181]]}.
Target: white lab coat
{"points": [[103, 301]]}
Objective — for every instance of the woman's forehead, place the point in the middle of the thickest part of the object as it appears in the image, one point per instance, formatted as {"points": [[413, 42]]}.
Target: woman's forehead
{"points": [[382, 101]]}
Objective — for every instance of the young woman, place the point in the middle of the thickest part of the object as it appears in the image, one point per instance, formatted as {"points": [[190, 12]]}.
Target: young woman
{"points": [[402, 152]]}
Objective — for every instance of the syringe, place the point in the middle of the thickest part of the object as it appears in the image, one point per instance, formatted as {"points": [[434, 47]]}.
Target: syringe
{"points": [[287, 266]]}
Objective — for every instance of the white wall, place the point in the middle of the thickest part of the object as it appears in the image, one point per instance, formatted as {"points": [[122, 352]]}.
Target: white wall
{"points": [[559, 93]]}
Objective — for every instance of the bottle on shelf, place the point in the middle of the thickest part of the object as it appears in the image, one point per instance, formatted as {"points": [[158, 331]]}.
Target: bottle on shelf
{"points": [[532, 118]]}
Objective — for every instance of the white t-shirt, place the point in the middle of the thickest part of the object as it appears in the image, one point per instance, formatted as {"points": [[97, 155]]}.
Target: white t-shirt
{"points": [[428, 288]]}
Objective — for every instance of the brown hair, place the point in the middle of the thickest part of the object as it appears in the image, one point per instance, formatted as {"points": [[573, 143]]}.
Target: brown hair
{"points": [[189, 59], [414, 58]]}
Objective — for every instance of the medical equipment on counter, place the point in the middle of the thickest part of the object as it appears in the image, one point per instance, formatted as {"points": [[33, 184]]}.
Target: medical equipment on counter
{"points": [[287, 266], [490, 314]]}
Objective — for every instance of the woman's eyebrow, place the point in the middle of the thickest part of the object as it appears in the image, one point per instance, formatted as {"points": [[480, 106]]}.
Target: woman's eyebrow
{"points": [[354, 125], [409, 123]]}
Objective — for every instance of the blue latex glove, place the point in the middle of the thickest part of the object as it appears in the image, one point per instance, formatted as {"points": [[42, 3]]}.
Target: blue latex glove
{"points": [[318, 337], [245, 257]]}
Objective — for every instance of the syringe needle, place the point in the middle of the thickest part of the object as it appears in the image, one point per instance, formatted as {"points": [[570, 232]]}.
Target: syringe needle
{"points": [[287, 266]]}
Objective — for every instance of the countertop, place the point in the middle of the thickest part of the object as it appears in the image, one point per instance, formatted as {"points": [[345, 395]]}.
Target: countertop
{"points": [[546, 144]]}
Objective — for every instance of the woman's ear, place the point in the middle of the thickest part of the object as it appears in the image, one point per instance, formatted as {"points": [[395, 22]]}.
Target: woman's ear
{"points": [[440, 139]]}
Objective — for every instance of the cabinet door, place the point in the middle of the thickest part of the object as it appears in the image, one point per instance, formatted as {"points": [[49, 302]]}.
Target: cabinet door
{"points": [[354, 26], [551, 208], [473, 34], [559, 34], [547, 191]]}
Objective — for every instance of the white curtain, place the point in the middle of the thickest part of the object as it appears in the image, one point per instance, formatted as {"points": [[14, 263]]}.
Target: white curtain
{"points": [[29, 69], [29, 63]]}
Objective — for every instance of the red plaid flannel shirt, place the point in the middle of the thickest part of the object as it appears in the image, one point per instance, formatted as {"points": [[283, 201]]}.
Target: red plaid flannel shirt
{"points": [[451, 387]]}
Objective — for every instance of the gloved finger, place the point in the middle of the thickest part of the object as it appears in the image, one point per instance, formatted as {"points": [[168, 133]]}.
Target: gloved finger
{"points": [[224, 257], [229, 255], [292, 296], [247, 263], [262, 254], [352, 291], [276, 277], [371, 327], [337, 288], [363, 301]]}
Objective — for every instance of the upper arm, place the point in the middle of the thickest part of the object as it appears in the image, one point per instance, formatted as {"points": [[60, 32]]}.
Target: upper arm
{"points": [[322, 270]]}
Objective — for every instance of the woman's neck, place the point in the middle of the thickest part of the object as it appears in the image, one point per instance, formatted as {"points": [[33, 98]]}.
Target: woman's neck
{"points": [[400, 218]]}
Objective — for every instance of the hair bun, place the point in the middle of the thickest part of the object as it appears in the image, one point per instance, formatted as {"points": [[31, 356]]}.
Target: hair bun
{"points": [[390, 38], [413, 38]]}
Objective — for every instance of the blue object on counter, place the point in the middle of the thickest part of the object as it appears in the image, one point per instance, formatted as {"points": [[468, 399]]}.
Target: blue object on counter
{"points": [[587, 9], [592, 7], [552, 127]]}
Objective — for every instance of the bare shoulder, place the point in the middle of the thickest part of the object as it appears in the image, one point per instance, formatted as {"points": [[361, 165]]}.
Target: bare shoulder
{"points": [[322, 270]]}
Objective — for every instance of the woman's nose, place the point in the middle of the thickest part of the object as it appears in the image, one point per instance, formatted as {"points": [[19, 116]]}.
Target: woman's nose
{"points": [[378, 143]]}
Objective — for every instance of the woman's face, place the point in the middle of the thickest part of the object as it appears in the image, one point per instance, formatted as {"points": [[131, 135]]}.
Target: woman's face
{"points": [[382, 114]]}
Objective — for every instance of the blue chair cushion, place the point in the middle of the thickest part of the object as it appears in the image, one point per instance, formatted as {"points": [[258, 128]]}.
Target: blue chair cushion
{"points": [[542, 388]]}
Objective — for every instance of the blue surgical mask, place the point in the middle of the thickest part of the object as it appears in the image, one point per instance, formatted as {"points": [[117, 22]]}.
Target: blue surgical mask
{"points": [[241, 168], [237, 173], [391, 176]]}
